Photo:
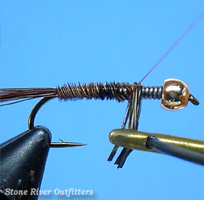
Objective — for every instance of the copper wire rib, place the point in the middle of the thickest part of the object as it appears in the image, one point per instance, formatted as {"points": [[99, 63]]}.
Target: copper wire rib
{"points": [[118, 91]]}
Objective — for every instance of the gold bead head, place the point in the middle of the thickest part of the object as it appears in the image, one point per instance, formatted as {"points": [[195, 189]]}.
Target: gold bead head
{"points": [[176, 94]]}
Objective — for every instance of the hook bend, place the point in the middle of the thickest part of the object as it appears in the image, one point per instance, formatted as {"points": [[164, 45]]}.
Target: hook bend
{"points": [[31, 120]]}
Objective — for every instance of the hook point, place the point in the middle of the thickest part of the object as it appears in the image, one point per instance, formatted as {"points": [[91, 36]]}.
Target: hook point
{"points": [[65, 144]]}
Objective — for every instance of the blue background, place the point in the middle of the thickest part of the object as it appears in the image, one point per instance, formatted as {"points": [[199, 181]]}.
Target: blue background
{"points": [[49, 43]]}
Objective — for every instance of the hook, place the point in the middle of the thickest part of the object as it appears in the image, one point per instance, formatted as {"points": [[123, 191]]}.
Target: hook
{"points": [[31, 125]]}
